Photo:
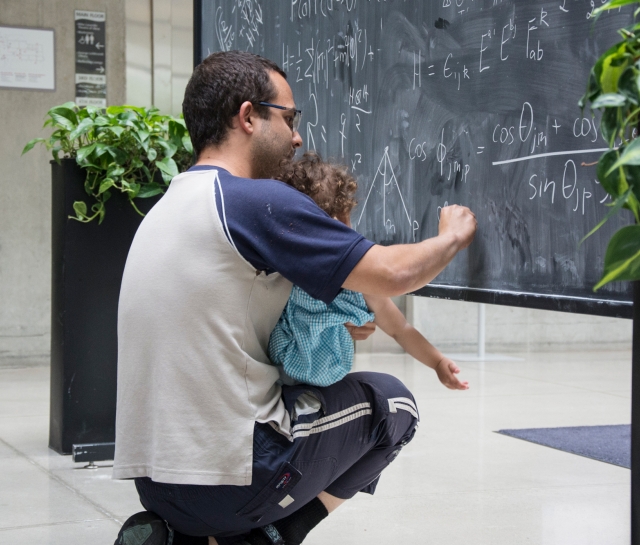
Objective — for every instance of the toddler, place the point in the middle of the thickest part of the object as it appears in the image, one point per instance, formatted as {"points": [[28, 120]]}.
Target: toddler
{"points": [[310, 341]]}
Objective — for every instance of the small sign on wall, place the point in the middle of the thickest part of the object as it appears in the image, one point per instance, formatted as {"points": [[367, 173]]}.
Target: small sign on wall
{"points": [[91, 65], [27, 58]]}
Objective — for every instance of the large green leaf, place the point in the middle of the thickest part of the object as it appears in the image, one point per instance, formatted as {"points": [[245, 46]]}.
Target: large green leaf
{"points": [[630, 156], [119, 156], [133, 189], [628, 85], [101, 149], [93, 110], [622, 259], [142, 135], [609, 100], [169, 148], [168, 168], [632, 175], [127, 116], [612, 68], [71, 105], [63, 121], [80, 208], [82, 128], [55, 152], [150, 190], [176, 132], [106, 184], [139, 110], [611, 178], [634, 205], [115, 129], [115, 171], [30, 144], [147, 172], [613, 4], [609, 125], [597, 67], [66, 111], [114, 110], [85, 151]]}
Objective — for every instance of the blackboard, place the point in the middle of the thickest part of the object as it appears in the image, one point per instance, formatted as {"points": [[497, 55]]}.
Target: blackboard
{"points": [[470, 102]]}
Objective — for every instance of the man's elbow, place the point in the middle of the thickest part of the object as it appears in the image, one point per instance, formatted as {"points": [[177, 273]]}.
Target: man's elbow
{"points": [[395, 280], [383, 272]]}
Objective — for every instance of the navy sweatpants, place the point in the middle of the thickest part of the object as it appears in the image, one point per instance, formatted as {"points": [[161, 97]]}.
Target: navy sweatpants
{"points": [[365, 420]]}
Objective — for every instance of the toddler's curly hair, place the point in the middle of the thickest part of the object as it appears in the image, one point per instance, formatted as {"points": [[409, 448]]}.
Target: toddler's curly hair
{"points": [[330, 185]]}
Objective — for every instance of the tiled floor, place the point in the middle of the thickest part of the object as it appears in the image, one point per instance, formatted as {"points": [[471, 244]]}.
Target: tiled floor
{"points": [[457, 483]]}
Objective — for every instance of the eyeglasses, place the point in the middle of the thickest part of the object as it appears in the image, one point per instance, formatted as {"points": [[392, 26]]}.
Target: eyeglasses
{"points": [[297, 115]]}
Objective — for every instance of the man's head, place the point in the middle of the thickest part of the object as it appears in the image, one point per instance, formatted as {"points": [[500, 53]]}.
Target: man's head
{"points": [[224, 95], [330, 185]]}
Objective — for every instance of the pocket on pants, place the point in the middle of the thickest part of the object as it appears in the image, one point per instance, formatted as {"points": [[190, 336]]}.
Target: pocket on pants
{"points": [[321, 473], [275, 492]]}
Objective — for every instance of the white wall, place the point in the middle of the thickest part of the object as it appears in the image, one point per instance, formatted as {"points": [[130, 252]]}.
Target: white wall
{"points": [[159, 36], [453, 327], [155, 60], [25, 182]]}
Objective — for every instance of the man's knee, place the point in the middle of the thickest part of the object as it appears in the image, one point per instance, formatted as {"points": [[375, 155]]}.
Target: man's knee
{"points": [[385, 385], [395, 413]]}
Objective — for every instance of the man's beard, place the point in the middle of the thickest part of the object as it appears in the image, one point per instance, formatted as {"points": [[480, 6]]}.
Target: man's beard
{"points": [[268, 156]]}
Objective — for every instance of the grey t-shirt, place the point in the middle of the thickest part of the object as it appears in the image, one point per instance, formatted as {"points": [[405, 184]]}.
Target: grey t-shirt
{"points": [[194, 321]]}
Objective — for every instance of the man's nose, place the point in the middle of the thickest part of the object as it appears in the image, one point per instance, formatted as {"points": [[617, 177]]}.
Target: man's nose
{"points": [[296, 141]]}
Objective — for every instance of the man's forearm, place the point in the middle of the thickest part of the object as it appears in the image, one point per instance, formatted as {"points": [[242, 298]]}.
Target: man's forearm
{"points": [[395, 270]]}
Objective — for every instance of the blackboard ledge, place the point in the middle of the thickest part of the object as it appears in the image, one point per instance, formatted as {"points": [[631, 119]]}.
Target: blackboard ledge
{"points": [[560, 303]]}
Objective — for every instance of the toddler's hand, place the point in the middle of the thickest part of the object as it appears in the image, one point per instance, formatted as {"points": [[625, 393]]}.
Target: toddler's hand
{"points": [[447, 371], [360, 333]]}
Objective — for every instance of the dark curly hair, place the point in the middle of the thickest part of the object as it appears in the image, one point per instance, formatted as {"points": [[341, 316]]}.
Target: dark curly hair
{"points": [[218, 87], [330, 185]]}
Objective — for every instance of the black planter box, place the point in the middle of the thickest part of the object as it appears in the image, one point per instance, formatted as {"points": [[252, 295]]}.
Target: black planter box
{"points": [[87, 265]]}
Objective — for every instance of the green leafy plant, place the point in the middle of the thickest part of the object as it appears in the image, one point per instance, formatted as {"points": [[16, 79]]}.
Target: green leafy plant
{"points": [[614, 88], [136, 151]]}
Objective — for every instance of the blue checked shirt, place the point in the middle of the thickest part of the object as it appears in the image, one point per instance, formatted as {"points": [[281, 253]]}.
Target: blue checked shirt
{"points": [[310, 341]]}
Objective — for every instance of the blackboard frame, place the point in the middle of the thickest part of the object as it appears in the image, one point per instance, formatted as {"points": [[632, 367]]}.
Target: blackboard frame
{"points": [[197, 32]]}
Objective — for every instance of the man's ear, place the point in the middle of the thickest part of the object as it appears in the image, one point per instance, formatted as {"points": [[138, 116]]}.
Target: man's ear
{"points": [[245, 117]]}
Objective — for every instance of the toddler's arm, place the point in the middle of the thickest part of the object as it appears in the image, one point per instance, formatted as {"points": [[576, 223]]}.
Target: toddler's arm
{"points": [[393, 323]]}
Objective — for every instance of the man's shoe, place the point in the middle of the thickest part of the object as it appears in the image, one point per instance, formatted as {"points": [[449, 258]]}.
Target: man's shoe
{"points": [[267, 535], [145, 528]]}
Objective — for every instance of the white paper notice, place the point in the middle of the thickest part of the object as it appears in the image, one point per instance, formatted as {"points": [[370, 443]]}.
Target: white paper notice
{"points": [[27, 58]]}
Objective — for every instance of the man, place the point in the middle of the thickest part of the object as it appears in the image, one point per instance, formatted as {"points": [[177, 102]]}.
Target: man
{"points": [[219, 451]]}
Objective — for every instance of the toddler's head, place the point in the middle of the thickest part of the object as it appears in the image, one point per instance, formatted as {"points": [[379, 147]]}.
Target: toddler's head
{"points": [[329, 185]]}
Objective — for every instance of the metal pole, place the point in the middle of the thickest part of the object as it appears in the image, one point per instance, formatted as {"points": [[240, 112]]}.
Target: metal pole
{"points": [[482, 331], [635, 419]]}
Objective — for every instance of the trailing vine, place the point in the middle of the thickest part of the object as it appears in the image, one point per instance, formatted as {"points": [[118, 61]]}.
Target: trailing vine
{"points": [[128, 149]]}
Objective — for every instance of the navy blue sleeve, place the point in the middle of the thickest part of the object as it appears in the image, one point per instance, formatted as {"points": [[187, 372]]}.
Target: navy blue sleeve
{"points": [[279, 229]]}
